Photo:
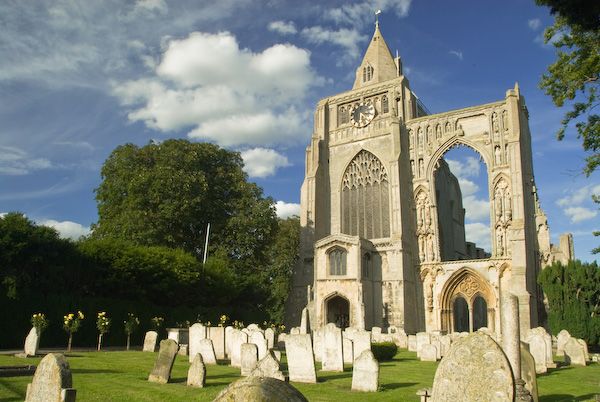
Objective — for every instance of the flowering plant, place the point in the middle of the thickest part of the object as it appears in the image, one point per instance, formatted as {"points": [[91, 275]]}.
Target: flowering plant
{"points": [[40, 322], [223, 320], [131, 325], [238, 324], [103, 325], [71, 324], [157, 322]]}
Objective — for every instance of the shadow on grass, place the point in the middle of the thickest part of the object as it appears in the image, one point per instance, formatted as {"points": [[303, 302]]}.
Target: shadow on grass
{"points": [[566, 398], [323, 377], [396, 385], [223, 376], [95, 371]]}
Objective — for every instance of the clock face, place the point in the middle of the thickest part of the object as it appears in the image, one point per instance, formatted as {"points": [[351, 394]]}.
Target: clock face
{"points": [[362, 113]]}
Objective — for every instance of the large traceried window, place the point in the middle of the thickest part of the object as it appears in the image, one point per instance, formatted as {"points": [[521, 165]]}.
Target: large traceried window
{"points": [[365, 198], [337, 262]]}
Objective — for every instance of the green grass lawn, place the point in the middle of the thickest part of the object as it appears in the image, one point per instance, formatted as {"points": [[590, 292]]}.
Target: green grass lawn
{"points": [[122, 376]]}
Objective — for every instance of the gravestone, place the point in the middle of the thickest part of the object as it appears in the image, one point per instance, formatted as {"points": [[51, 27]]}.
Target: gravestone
{"points": [[365, 373], [260, 389], [305, 322], [438, 346], [541, 332], [528, 368], [281, 340], [254, 327], [347, 351], [206, 349], [574, 353], [475, 369], [183, 350], [228, 330], [32, 342], [423, 338], [295, 331], [197, 333], [412, 343], [445, 342], [561, 339], [237, 339], [259, 340], [301, 364], [52, 381], [270, 337], [217, 336], [197, 373], [376, 334], [249, 354], [277, 354], [400, 338], [429, 353], [585, 348], [164, 362], [150, 341], [537, 348], [318, 344], [268, 367], [332, 349], [361, 342]]}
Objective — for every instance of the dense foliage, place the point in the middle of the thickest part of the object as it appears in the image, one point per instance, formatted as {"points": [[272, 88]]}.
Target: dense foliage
{"points": [[384, 351], [573, 293]]}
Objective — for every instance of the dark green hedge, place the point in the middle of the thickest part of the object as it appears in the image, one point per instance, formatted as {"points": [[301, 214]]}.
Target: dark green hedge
{"points": [[384, 351]]}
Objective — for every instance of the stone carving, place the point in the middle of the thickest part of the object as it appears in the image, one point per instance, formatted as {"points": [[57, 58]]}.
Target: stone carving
{"points": [[52, 381], [197, 373], [301, 364], [260, 389], [425, 230], [475, 369], [503, 216], [249, 354], [365, 169], [574, 353], [365, 372], [268, 367], [332, 348], [495, 125], [164, 362], [150, 341], [32, 342], [505, 120], [438, 131]]}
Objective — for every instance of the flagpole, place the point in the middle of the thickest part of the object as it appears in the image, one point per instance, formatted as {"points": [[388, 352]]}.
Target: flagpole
{"points": [[206, 243]]}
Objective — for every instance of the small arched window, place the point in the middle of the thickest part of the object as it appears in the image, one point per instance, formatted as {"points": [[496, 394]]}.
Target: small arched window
{"points": [[337, 262], [367, 266], [385, 106], [364, 74], [343, 116]]}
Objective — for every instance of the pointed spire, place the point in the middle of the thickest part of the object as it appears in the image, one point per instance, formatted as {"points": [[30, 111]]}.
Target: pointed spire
{"points": [[378, 64]]}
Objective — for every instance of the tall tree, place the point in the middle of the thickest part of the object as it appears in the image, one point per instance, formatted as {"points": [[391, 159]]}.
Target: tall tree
{"points": [[574, 77], [166, 194]]}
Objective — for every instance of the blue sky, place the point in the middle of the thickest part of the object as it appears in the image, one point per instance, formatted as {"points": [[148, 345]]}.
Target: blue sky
{"points": [[78, 79]]}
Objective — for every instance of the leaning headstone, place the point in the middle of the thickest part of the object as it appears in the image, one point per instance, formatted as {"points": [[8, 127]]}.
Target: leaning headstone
{"points": [[333, 359], [528, 372], [217, 336], [574, 353], [196, 334], [347, 350], [585, 348], [365, 373], [197, 373], [561, 340], [150, 341], [277, 354], [475, 369], [206, 349], [52, 381], [164, 362], [304, 322], [249, 358], [361, 342], [301, 364], [237, 339], [259, 340], [412, 343], [260, 389], [268, 367], [270, 337], [429, 353], [32, 342]]}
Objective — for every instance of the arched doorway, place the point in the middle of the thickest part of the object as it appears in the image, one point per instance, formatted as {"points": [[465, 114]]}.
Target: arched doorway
{"points": [[480, 313], [338, 311], [460, 312]]}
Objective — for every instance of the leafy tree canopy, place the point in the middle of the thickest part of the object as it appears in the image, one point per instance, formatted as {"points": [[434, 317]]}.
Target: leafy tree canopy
{"points": [[574, 77]]}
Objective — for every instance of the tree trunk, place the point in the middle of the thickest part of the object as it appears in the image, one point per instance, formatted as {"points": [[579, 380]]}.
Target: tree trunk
{"points": [[128, 339], [99, 342], [70, 341]]}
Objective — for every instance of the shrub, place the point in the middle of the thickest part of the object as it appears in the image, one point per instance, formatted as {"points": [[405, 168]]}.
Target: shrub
{"points": [[384, 351]]}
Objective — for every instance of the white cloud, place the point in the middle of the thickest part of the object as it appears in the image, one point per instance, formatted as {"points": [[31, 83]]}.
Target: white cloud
{"points": [[476, 209], [145, 6], [361, 13], [16, 162], [234, 97], [479, 234], [579, 196], [534, 24], [579, 214], [285, 209], [262, 162], [457, 53], [66, 229], [348, 39], [470, 168], [283, 27]]}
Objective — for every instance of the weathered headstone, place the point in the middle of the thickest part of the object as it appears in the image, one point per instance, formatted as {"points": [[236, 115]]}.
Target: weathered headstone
{"points": [[249, 353], [412, 343], [399, 336], [475, 369], [270, 337], [438, 346], [543, 334], [561, 339], [228, 330], [206, 349], [574, 353], [332, 349], [423, 338], [528, 372], [164, 362], [237, 338], [585, 348], [52, 381], [295, 331], [268, 367], [150, 341], [537, 348], [32, 342], [197, 372], [197, 333], [305, 322], [317, 339], [361, 342], [254, 327], [301, 364], [376, 334], [183, 350], [217, 336], [365, 373], [259, 340], [429, 353], [347, 350], [445, 342], [260, 389]]}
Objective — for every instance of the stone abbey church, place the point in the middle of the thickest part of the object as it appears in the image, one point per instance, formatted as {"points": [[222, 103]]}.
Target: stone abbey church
{"points": [[383, 233]]}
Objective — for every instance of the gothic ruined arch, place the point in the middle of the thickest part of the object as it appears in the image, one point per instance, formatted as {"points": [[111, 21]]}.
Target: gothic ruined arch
{"points": [[468, 285], [451, 143]]}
